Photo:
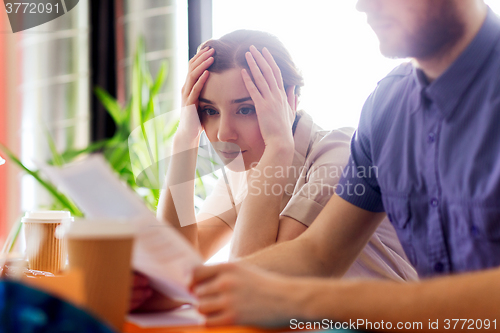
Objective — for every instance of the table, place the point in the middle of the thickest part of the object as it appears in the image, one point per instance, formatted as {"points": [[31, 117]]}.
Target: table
{"points": [[131, 328]]}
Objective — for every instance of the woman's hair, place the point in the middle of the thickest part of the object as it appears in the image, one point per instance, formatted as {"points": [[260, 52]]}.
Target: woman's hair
{"points": [[230, 52]]}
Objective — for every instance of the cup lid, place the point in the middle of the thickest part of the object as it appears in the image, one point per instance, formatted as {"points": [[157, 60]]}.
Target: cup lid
{"points": [[49, 215], [97, 228]]}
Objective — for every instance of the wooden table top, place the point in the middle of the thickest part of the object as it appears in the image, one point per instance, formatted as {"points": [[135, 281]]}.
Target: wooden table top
{"points": [[132, 328]]}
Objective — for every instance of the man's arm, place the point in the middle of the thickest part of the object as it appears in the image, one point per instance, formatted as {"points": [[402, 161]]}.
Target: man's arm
{"points": [[328, 247], [289, 229], [462, 297], [238, 294]]}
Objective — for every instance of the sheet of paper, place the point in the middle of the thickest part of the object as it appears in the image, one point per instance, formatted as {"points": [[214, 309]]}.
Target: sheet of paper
{"points": [[160, 252], [185, 316]]}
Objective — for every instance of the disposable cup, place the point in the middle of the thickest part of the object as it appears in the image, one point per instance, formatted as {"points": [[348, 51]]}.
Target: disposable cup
{"points": [[102, 251], [45, 252]]}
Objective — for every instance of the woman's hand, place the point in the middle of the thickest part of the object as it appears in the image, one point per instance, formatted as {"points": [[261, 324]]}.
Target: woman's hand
{"points": [[141, 291], [189, 125], [145, 299], [274, 106]]}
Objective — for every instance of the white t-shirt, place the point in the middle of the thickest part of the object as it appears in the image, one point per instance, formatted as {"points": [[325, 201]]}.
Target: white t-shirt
{"points": [[319, 160]]}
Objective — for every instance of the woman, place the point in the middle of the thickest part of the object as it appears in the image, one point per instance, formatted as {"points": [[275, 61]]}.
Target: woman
{"points": [[242, 90]]}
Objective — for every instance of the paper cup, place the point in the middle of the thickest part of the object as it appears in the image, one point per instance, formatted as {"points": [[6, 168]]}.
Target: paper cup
{"points": [[45, 252], [102, 251]]}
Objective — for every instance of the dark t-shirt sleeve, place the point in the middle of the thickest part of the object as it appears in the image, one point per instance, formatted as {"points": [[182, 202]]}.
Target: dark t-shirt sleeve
{"points": [[358, 184]]}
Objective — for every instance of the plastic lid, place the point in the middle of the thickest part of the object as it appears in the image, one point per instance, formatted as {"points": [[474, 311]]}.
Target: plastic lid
{"points": [[98, 229], [45, 216]]}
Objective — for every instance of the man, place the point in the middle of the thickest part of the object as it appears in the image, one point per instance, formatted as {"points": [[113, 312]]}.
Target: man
{"points": [[429, 136]]}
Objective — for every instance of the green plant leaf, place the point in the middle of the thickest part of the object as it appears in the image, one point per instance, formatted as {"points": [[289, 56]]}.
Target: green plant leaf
{"points": [[119, 156], [111, 105], [16, 235], [150, 110], [65, 201], [160, 79], [57, 159], [137, 83], [127, 117], [70, 154]]}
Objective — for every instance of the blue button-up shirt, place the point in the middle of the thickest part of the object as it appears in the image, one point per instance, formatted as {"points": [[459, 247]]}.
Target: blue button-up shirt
{"points": [[428, 154]]}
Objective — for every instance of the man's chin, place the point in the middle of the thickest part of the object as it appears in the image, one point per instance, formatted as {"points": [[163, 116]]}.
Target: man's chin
{"points": [[393, 52]]}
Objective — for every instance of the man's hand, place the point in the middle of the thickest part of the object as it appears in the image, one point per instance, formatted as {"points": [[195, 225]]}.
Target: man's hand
{"points": [[232, 294]]}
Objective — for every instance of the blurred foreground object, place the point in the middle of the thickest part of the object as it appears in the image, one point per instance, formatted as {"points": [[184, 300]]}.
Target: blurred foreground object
{"points": [[102, 251], [23, 309]]}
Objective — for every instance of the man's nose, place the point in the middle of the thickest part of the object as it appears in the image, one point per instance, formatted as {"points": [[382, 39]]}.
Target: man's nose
{"points": [[226, 132]]}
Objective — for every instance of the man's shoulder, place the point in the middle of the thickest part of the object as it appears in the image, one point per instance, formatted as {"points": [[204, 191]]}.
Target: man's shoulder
{"points": [[393, 84], [393, 87], [389, 97], [401, 72], [496, 51]]}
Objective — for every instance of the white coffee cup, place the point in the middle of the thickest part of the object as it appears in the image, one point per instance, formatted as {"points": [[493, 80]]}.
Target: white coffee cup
{"points": [[45, 252]]}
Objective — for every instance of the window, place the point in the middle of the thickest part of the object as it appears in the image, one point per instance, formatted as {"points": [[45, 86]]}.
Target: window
{"points": [[330, 42]]}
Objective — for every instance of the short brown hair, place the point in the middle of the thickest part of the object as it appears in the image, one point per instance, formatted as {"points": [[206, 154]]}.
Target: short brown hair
{"points": [[230, 52]]}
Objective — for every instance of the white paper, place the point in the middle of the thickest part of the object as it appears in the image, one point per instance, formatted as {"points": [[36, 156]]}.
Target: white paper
{"points": [[160, 252], [184, 316]]}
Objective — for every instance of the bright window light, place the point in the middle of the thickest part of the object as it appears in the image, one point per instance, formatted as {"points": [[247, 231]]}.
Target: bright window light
{"points": [[331, 43]]}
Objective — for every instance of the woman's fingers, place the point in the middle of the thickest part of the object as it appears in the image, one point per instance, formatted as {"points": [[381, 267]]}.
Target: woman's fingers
{"points": [[252, 89], [196, 57], [198, 86], [199, 57], [198, 54], [140, 280], [139, 296], [261, 81], [291, 97], [141, 290], [272, 63], [264, 67], [197, 65], [195, 74]]}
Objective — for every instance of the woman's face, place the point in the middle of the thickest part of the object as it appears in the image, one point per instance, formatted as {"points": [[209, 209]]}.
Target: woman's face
{"points": [[229, 119]]}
